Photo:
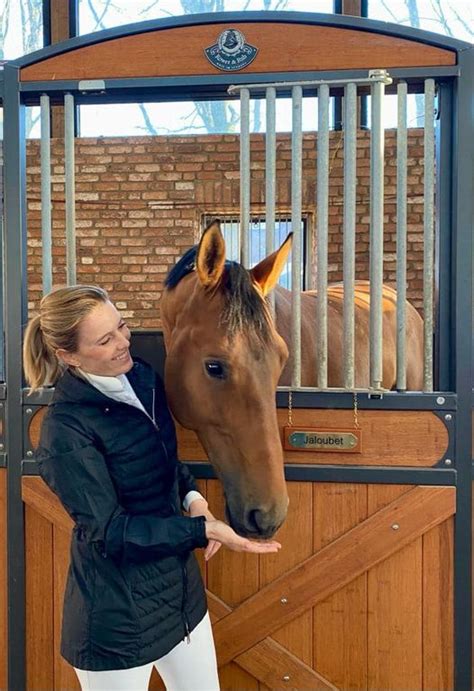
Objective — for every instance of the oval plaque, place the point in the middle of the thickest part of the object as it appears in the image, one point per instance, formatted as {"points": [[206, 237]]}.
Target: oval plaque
{"points": [[328, 440]]}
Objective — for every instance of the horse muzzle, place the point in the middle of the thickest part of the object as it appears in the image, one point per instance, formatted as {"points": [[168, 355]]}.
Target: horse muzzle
{"points": [[256, 523]]}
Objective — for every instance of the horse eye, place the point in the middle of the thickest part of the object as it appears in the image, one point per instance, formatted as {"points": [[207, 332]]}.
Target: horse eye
{"points": [[215, 369]]}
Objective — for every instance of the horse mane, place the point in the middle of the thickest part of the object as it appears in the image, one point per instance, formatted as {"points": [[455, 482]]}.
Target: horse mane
{"points": [[244, 309]]}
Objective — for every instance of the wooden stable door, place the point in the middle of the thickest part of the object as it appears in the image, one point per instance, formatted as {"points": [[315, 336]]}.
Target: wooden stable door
{"points": [[360, 596]]}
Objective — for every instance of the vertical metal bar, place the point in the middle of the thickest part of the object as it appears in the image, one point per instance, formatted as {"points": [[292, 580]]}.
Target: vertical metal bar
{"points": [[296, 180], [428, 235], [350, 160], [376, 235], [401, 234], [45, 155], [14, 150], [270, 176], [69, 170], [244, 176], [322, 200], [444, 361], [462, 280]]}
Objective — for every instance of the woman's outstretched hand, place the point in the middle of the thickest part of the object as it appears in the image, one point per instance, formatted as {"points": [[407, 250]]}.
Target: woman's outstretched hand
{"points": [[221, 532]]}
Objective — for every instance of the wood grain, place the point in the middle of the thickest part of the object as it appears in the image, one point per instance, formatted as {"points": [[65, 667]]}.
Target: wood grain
{"points": [[438, 607], [39, 586], [281, 48], [64, 675], [340, 621], [39, 497], [333, 567], [394, 608], [390, 437]]}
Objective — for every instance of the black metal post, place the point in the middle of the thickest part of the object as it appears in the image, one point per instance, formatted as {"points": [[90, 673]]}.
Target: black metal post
{"points": [[463, 213], [15, 292]]}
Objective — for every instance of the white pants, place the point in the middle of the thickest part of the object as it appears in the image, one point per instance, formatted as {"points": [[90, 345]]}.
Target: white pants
{"points": [[188, 667]]}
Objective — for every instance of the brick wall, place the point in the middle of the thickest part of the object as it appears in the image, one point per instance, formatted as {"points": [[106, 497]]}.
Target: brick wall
{"points": [[140, 202]]}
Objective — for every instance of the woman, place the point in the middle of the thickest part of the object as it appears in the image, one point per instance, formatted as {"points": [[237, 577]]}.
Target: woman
{"points": [[134, 596]]}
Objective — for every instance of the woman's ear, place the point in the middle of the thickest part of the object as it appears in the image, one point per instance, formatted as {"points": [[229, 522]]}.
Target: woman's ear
{"points": [[67, 357]]}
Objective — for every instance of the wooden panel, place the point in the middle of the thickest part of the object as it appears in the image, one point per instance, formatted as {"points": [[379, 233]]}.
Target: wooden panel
{"points": [[389, 437], [296, 636], [36, 493], [333, 567], [34, 427], [64, 675], [394, 609], [233, 577], [438, 607], [39, 601], [3, 578], [340, 621], [282, 48]]}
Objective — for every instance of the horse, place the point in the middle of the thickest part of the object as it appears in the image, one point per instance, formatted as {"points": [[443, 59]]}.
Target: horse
{"points": [[225, 356], [335, 375]]}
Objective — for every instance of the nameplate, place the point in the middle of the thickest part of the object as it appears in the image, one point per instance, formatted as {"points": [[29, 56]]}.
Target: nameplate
{"points": [[316, 439]]}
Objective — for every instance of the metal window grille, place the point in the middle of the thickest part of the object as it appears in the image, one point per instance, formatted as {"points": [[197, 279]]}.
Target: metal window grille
{"points": [[230, 227]]}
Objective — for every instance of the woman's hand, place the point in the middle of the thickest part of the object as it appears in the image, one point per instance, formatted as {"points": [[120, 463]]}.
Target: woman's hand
{"points": [[199, 507], [222, 533]]}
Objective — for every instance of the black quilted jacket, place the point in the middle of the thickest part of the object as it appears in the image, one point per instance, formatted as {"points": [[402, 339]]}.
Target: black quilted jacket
{"points": [[134, 589]]}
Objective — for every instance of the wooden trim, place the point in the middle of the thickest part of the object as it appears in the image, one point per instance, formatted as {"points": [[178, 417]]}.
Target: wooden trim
{"points": [[37, 495], [268, 661], [390, 437], [281, 48], [334, 566]]}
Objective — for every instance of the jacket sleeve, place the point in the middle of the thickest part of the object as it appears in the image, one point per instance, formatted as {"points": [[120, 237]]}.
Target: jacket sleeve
{"points": [[186, 481], [80, 478]]}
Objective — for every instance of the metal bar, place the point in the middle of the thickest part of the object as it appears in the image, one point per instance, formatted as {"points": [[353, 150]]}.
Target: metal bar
{"points": [[462, 280], [296, 263], [270, 177], [14, 150], [45, 156], [69, 170], [376, 235], [444, 361], [322, 233], [350, 160], [244, 176], [428, 235], [401, 235], [374, 76]]}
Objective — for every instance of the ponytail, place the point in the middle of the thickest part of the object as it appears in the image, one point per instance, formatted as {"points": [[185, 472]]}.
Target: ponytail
{"points": [[40, 364]]}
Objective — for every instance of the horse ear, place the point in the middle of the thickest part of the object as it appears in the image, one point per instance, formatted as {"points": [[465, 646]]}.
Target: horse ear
{"points": [[267, 272], [210, 257]]}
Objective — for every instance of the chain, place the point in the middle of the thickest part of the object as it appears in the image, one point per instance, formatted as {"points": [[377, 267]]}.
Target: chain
{"points": [[290, 408], [356, 418]]}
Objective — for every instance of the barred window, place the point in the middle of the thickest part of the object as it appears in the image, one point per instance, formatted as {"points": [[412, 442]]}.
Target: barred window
{"points": [[230, 226]]}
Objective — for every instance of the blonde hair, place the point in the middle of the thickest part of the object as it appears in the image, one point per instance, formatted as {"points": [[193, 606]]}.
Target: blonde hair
{"points": [[56, 326]]}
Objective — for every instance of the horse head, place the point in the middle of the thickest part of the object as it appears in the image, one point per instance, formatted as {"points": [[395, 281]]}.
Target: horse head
{"points": [[224, 360]]}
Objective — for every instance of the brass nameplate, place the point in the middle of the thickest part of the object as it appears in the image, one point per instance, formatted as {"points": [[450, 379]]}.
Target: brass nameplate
{"points": [[316, 439]]}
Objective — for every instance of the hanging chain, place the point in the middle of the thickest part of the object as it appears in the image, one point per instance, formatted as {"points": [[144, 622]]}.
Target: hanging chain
{"points": [[356, 418], [290, 408]]}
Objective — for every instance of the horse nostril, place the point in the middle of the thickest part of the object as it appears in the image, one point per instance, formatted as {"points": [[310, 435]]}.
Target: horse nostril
{"points": [[253, 520], [260, 522]]}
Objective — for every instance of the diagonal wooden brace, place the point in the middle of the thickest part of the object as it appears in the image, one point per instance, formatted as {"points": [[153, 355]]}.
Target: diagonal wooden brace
{"points": [[372, 541], [269, 662]]}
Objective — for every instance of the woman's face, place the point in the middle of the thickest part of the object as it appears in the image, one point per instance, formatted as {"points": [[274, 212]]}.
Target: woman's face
{"points": [[103, 343]]}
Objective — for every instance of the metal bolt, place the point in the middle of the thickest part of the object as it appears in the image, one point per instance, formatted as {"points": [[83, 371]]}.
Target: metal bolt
{"points": [[283, 600], [286, 677], [448, 461], [395, 526], [440, 400], [29, 411], [1, 447], [29, 454], [448, 417]]}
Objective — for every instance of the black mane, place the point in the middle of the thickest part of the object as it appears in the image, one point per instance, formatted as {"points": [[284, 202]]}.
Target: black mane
{"points": [[244, 308]]}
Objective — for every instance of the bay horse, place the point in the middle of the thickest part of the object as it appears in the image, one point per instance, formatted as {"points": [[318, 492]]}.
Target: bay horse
{"points": [[226, 356]]}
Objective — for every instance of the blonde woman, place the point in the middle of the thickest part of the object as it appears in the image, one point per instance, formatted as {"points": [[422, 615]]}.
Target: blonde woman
{"points": [[134, 597]]}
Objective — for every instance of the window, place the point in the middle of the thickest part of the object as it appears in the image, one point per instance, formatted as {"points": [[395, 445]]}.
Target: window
{"points": [[21, 27], [95, 15], [230, 226]]}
